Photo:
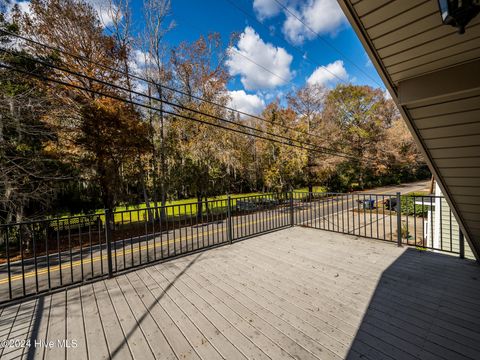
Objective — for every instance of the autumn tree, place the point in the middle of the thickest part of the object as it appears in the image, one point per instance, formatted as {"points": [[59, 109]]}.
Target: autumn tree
{"points": [[31, 175], [308, 103], [401, 158], [361, 115], [200, 73], [73, 27], [156, 71], [113, 122], [282, 164]]}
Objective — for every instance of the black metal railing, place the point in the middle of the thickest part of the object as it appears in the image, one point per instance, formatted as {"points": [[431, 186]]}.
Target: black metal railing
{"points": [[40, 256], [422, 221]]}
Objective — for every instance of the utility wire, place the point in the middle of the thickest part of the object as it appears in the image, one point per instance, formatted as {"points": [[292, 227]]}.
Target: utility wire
{"points": [[119, 98], [149, 81], [325, 40], [278, 76], [259, 65], [302, 53], [331, 151]]}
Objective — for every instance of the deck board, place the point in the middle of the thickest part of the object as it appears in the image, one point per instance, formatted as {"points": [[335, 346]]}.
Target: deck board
{"points": [[94, 331], [218, 340], [57, 326], [179, 344], [153, 334], [297, 293], [76, 326], [133, 331]]}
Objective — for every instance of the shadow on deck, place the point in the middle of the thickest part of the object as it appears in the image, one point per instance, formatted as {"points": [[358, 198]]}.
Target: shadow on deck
{"points": [[425, 306]]}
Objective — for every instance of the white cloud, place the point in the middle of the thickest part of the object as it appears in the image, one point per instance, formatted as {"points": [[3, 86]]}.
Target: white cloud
{"points": [[241, 101], [260, 65], [138, 60], [386, 95], [265, 8], [105, 10], [321, 16], [24, 7], [328, 75]]}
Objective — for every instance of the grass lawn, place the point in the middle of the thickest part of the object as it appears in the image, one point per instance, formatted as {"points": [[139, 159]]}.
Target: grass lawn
{"points": [[174, 209], [189, 206]]}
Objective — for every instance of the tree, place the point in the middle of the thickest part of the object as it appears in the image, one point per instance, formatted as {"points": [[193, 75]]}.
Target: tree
{"points": [[111, 135], [88, 53], [156, 13], [308, 103], [200, 73], [31, 174], [282, 164], [361, 115]]}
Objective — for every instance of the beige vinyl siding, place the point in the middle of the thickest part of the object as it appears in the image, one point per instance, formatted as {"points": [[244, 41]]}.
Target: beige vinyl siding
{"points": [[449, 231]]}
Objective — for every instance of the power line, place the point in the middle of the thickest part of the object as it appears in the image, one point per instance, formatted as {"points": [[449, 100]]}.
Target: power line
{"points": [[261, 66], [115, 97], [82, 58], [302, 53], [330, 151], [325, 41], [278, 76]]}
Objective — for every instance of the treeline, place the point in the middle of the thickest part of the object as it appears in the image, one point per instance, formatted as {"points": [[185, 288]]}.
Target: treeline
{"points": [[76, 133]]}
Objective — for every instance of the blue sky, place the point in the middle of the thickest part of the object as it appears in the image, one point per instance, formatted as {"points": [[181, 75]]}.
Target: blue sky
{"points": [[276, 52], [269, 31]]}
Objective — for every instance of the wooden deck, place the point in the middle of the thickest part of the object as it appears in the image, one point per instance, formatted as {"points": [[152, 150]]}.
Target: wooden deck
{"points": [[297, 293]]}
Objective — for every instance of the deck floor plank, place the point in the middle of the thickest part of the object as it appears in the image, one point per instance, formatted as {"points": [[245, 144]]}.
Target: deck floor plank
{"points": [[153, 334], [238, 339], [214, 336], [296, 293], [199, 342], [57, 327], [179, 344], [75, 327], [19, 330], [292, 340], [94, 332], [297, 330], [269, 347], [134, 335], [277, 302]]}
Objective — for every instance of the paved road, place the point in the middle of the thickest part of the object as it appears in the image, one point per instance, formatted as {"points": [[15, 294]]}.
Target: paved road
{"points": [[331, 213]]}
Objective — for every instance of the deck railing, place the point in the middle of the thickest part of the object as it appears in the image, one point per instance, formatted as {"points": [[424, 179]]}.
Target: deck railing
{"points": [[41, 256], [426, 222]]}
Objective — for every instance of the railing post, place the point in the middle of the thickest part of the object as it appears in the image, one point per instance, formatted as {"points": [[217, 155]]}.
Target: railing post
{"points": [[108, 239], [229, 220], [292, 217], [399, 219], [462, 244]]}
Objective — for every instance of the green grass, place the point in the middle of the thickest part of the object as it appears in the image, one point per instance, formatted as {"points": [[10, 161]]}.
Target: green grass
{"points": [[174, 209], [316, 189]]}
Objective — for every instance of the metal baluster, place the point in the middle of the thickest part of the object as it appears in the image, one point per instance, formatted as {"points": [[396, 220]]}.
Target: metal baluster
{"points": [[35, 257]]}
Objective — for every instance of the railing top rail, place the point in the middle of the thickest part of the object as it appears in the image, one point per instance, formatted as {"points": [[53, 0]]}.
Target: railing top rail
{"points": [[65, 219], [326, 193], [52, 220]]}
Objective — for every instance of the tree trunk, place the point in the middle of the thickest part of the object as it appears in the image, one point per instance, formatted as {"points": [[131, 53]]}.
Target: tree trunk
{"points": [[207, 209], [310, 191], [145, 195], [199, 206]]}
